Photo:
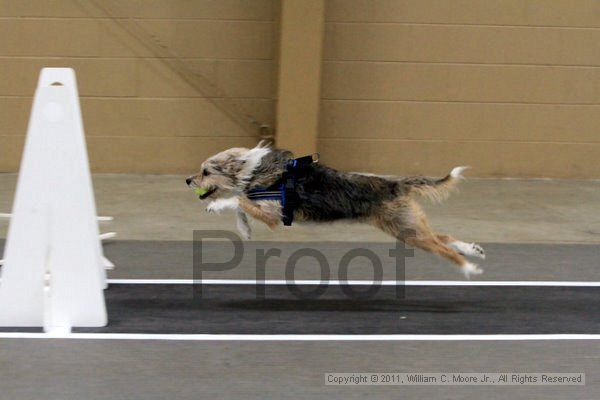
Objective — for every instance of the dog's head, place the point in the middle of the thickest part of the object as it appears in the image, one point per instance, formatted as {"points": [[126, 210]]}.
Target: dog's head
{"points": [[227, 173]]}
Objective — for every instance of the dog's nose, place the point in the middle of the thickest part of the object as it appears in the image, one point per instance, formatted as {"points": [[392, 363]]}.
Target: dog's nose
{"points": [[188, 181]]}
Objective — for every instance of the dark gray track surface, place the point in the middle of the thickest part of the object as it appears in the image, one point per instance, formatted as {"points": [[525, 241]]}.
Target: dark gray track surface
{"points": [[235, 309], [427, 310]]}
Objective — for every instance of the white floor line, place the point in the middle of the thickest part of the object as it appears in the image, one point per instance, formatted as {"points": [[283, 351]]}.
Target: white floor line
{"points": [[350, 282], [306, 338]]}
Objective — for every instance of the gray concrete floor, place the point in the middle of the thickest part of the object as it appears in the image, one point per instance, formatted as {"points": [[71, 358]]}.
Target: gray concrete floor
{"points": [[504, 262], [161, 208], [111, 370]]}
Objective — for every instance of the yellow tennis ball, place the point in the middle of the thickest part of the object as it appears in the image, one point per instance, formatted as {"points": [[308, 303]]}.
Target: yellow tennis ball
{"points": [[200, 191]]}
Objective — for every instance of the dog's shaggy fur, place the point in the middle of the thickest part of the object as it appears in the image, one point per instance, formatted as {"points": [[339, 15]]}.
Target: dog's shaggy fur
{"points": [[328, 195]]}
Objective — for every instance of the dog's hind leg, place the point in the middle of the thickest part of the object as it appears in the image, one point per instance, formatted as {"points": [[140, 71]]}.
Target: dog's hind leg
{"points": [[468, 249], [406, 222], [431, 243]]}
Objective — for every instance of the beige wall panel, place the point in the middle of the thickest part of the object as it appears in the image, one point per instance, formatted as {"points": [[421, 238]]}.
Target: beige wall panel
{"points": [[14, 116], [49, 37], [41, 8], [11, 148], [117, 41], [135, 154], [156, 79], [95, 77], [214, 39], [234, 78], [202, 9], [403, 157], [189, 39], [450, 82], [143, 117], [140, 116], [181, 155], [166, 117], [466, 44], [460, 121], [511, 87], [582, 13], [92, 37], [415, 106], [209, 9], [245, 78]]}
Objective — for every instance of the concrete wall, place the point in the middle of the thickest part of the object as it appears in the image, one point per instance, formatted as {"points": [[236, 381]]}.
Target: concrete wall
{"points": [[510, 87], [140, 116]]}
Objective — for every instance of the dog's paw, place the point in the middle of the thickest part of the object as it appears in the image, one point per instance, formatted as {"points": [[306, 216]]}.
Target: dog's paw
{"points": [[213, 208], [469, 269], [219, 205], [477, 251], [244, 230], [468, 249]]}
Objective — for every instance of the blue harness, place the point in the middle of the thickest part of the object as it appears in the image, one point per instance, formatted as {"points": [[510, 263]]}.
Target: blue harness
{"points": [[284, 190], [273, 192]]}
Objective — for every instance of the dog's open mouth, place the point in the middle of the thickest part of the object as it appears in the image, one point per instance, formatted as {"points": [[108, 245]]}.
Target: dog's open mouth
{"points": [[204, 193]]}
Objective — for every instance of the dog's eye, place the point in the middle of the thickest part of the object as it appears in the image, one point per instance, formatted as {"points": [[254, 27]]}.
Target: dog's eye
{"points": [[205, 173]]}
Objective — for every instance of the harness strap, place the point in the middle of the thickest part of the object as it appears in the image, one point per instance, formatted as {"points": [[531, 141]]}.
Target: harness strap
{"points": [[273, 192], [284, 190]]}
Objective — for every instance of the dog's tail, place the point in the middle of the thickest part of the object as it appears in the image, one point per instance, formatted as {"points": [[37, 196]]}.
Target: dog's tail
{"points": [[434, 189]]}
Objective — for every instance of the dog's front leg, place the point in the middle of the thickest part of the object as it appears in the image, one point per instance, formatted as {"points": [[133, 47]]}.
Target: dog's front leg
{"points": [[216, 206], [232, 203], [269, 215], [243, 225]]}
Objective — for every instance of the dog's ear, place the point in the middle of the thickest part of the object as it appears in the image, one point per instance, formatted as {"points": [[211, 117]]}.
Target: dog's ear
{"points": [[249, 160]]}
